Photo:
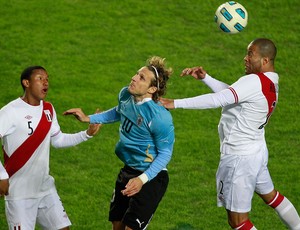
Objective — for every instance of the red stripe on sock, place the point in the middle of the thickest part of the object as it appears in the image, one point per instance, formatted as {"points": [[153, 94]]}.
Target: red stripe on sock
{"points": [[276, 201], [246, 225]]}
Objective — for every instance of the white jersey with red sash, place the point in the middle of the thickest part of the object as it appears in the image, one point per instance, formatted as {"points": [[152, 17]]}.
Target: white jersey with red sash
{"points": [[26, 131], [241, 127]]}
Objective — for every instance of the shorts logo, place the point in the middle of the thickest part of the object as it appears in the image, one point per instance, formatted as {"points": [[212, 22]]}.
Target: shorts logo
{"points": [[139, 222]]}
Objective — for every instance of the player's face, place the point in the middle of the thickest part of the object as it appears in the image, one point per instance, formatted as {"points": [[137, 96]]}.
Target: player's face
{"points": [[253, 60], [37, 86], [140, 85]]}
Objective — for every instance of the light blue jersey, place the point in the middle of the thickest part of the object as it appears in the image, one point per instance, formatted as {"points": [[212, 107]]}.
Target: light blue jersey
{"points": [[146, 133]]}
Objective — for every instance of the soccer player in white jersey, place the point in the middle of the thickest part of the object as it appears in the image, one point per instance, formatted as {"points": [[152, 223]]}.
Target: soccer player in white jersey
{"points": [[247, 105], [28, 125], [145, 146]]}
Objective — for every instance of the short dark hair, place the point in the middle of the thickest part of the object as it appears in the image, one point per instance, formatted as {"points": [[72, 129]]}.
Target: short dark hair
{"points": [[26, 74], [266, 47]]}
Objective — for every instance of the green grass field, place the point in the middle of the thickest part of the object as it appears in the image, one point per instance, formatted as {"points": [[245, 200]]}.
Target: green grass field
{"points": [[92, 48]]}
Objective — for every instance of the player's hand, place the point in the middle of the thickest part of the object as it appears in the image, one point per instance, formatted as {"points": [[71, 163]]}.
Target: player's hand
{"points": [[4, 184], [195, 72], [167, 103], [94, 128], [133, 186], [78, 113]]}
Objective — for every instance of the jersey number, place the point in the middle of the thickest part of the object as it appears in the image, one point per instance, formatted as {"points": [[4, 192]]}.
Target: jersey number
{"points": [[30, 128], [268, 116], [127, 125], [269, 91], [221, 187]]}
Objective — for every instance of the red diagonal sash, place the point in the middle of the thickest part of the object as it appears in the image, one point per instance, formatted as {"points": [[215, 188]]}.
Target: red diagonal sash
{"points": [[23, 153], [269, 91]]}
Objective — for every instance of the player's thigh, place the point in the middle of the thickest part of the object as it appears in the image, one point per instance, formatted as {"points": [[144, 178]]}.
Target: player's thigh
{"points": [[264, 183], [21, 214], [143, 205], [236, 181], [51, 213], [119, 203]]}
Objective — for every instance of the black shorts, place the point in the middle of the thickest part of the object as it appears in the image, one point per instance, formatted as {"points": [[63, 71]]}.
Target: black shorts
{"points": [[137, 211]]}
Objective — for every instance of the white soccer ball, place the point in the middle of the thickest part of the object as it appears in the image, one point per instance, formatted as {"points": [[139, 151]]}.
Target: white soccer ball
{"points": [[231, 17]]}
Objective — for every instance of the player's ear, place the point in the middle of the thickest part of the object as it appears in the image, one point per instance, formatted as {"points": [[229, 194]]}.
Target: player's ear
{"points": [[25, 83], [152, 89], [266, 60]]}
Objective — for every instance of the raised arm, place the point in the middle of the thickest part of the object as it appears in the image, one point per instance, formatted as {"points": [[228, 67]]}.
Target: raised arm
{"points": [[200, 74], [196, 72], [78, 113], [108, 116], [205, 101]]}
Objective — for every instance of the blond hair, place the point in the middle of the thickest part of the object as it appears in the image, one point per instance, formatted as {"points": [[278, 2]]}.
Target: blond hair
{"points": [[158, 66]]}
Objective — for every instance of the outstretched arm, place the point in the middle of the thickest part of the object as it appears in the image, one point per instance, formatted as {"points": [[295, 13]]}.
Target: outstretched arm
{"points": [[108, 116], [205, 101], [61, 140], [196, 72], [78, 113], [167, 103], [200, 74]]}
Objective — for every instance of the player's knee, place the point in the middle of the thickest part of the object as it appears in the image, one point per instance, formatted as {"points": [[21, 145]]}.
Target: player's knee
{"points": [[269, 197]]}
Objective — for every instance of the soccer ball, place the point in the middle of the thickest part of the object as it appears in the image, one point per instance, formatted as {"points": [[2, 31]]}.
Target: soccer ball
{"points": [[231, 17]]}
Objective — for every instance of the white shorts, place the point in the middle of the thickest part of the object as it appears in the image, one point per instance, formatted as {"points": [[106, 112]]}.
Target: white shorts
{"points": [[239, 176], [47, 211]]}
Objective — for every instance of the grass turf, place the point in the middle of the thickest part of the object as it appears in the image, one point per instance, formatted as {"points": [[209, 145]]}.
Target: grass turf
{"points": [[92, 48]]}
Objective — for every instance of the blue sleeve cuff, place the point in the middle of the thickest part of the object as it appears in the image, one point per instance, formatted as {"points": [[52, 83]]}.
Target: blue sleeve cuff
{"points": [[160, 163]]}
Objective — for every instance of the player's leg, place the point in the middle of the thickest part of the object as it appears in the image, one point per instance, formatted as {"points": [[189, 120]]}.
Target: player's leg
{"points": [[51, 213], [239, 221], [143, 205], [119, 203], [118, 225], [284, 208], [21, 214], [236, 180]]}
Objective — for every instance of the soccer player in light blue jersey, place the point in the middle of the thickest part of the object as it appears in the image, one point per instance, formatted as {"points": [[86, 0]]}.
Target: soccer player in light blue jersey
{"points": [[145, 145]]}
